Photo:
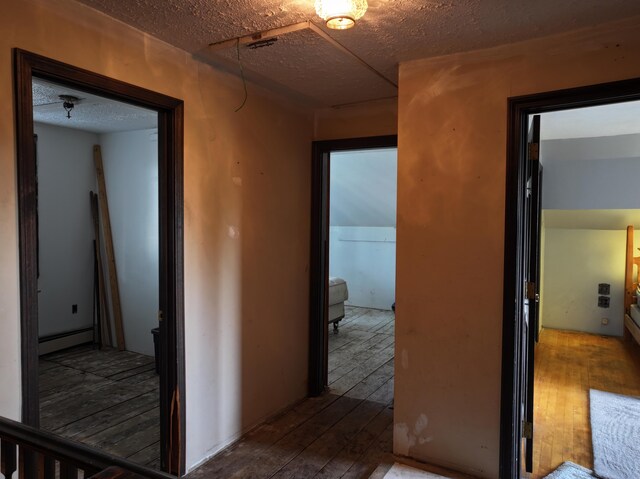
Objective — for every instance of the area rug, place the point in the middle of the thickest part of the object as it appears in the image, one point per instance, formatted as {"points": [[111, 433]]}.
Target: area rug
{"points": [[401, 471], [615, 433], [569, 470]]}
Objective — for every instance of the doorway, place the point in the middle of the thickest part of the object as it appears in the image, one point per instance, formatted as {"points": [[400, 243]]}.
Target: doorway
{"points": [[522, 288], [588, 201], [165, 224], [352, 306]]}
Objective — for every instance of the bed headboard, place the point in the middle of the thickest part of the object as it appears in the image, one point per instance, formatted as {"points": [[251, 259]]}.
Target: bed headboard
{"points": [[630, 279]]}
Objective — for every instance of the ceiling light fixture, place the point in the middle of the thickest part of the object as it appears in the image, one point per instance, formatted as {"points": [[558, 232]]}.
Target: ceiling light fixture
{"points": [[68, 102], [341, 14]]}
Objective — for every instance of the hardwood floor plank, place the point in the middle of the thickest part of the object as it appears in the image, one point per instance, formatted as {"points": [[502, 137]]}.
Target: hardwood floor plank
{"points": [[88, 426], [362, 370], [357, 356], [132, 373], [86, 402], [379, 452], [357, 447], [346, 432], [567, 365], [374, 381], [261, 438], [129, 437], [328, 445], [286, 449], [62, 379], [345, 339], [105, 398]]}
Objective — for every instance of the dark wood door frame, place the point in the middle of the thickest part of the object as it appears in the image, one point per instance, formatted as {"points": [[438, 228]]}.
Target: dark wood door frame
{"points": [[319, 258], [170, 156], [519, 108]]}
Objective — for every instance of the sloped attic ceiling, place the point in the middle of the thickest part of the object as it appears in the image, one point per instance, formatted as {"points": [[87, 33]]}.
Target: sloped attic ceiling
{"points": [[391, 31]]}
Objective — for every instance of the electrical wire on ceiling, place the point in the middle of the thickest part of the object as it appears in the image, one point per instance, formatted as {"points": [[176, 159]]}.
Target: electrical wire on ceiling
{"points": [[244, 80], [258, 39]]}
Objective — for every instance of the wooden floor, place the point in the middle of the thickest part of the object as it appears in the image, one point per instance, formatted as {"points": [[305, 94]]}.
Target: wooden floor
{"points": [[107, 399], [346, 433], [567, 365]]}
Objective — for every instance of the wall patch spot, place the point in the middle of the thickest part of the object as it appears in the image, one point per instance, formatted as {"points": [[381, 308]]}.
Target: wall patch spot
{"points": [[405, 359]]}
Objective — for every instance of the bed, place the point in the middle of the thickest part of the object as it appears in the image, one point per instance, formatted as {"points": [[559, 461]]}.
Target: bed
{"points": [[631, 308], [338, 294]]}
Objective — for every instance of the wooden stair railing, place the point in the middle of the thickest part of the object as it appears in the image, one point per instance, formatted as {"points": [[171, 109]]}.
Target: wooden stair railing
{"points": [[38, 452]]}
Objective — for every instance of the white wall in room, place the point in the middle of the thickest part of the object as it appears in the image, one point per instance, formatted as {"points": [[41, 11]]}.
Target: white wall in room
{"points": [[576, 261], [364, 187], [591, 173], [365, 257], [131, 174], [362, 235], [65, 176]]}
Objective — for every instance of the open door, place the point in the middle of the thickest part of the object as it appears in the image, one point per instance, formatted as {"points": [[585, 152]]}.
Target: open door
{"points": [[530, 277]]}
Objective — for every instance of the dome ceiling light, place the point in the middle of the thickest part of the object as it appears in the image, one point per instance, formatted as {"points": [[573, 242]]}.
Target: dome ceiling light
{"points": [[341, 14]]}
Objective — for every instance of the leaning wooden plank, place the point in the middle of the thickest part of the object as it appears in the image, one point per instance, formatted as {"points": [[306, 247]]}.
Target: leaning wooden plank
{"points": [[105, 316], [111, 257]]}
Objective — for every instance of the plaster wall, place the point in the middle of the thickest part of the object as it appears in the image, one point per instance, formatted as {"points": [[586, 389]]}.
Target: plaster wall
{"points": [[362, 219], [374, 118], [451, 180], [65, 228], [365, 257], [576, 261], [591, 173], [591, 185], [130, 160], [246, 223]]}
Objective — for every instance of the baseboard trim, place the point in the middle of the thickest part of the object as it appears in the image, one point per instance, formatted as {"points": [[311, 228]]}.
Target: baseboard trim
{"points": [[58, 342]]}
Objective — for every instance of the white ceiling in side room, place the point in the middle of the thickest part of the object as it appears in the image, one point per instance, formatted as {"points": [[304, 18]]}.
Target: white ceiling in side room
{"points": [[91, 113], [591, 122], [391, 31]]}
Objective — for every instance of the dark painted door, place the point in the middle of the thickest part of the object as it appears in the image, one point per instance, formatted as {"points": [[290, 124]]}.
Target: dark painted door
{"points": [[530, 291]]}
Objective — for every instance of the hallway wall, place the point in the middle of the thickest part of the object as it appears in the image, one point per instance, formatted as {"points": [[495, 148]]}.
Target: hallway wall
{"points": [[246, 219], [451, 203]]}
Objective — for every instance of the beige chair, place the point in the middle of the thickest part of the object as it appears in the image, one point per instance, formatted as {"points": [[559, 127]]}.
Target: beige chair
{"points": [[338, 294]]}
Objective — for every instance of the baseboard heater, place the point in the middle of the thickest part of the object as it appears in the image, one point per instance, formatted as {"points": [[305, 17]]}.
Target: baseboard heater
{"points": [[57, 342]]}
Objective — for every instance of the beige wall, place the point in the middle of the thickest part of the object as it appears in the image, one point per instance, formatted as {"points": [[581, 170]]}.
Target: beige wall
{"points": [[246, 219], [375, 118], [451, 181], [576, 261]]}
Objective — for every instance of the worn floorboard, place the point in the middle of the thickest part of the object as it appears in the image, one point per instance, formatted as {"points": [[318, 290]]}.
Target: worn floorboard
{"points": [[567, 365], [347, 432], [103, 398]]}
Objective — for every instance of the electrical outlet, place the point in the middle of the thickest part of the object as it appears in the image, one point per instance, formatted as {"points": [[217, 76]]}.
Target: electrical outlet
{"points": [[605, 321], [74, 309], [603, 301], [604, 288]]}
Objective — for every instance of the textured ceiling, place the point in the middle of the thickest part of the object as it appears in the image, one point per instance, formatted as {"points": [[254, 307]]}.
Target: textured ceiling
{"points": [[391, 31], [91, 113]]}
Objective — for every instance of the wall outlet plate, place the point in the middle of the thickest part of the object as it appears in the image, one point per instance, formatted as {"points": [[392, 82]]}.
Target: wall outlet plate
{"points": [[604, 288], [603, 301]]}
